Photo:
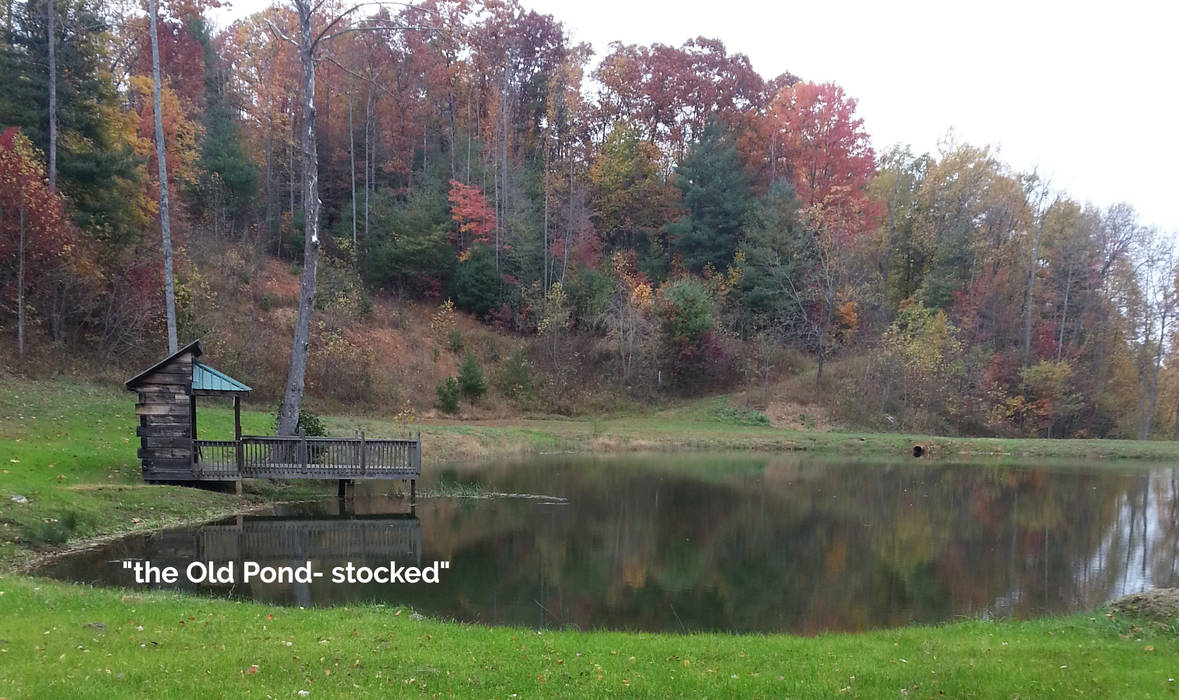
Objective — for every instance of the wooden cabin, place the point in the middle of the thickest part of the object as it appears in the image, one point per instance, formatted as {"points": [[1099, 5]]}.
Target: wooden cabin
{"points": [[167, 406], [170, 450]]}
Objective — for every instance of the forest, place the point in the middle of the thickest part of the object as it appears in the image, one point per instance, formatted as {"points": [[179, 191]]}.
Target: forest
{"points": [[577, 230]]}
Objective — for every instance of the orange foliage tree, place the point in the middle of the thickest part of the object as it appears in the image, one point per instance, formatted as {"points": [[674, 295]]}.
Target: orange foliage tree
{"points": [[33, 232], [474, 216]]}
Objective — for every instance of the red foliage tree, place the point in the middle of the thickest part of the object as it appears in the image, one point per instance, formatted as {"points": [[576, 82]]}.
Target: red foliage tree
{"points": [[672, 93], [822, 145], [471, 211], [33, 232], [182, 61]]}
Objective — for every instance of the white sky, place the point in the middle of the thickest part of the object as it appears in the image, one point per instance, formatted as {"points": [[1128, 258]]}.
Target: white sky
{"points": [[1086, 92]]}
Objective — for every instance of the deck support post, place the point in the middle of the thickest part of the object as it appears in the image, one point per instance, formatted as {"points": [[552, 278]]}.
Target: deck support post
{"points": [[413, 491], [237, 437], [341, 488]]}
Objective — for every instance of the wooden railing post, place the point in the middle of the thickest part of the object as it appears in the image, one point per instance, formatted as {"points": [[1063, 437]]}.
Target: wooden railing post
{"points": [[237, 434], [363, 456], [302, 456]]}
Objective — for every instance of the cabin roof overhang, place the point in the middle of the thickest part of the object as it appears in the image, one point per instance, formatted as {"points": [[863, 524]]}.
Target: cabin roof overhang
{"points": [[194, 347], [209, 381], [206, 381]]}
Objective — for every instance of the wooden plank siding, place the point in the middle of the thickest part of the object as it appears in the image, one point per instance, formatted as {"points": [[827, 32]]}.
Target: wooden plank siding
{"points": [[165, 420]]}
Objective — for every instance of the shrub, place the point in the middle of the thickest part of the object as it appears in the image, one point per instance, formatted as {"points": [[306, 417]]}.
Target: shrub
{"points": [[741, 416], [685, 309], [448, 395], [455, 341], [514, 379], [309, 423], [269, 301], [476, 284], [470, 379]]}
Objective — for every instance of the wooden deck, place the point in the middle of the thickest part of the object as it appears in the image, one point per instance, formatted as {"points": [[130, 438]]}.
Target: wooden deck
{"points": [[297, 457]]}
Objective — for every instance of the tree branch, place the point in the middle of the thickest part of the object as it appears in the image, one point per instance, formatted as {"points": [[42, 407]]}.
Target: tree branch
{"points": [[279, 33], [324, 33]]}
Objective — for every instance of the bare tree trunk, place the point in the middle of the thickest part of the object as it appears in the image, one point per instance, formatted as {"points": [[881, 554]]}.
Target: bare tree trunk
{"points": [[161, 162], [368, 154], [292, 187], [52, 17], [288, 418], [1153, 386], [269, 180], [1027, 319], [1068, 285], [545, 247], [352, 169], [20, 281], [569, 225], [290, 181], [468, 178]]}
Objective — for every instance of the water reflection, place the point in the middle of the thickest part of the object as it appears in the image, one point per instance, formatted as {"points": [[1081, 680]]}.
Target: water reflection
{"points": [[719, 543]]}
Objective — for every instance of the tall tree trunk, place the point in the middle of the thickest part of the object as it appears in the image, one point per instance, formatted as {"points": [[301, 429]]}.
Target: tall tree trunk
{"points": [[288, 417], [1152, 387], [545, 246], [290, 180], [468, 178], [368, 154], [162, 165], [1027, 319], [20, 280], [569, 225], [1068, 285], [352, 169], [51, 16], [269, 180]]}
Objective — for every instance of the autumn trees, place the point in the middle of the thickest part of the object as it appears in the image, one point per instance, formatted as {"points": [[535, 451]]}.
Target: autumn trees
{"points": [[660, 213], [35, 238]]}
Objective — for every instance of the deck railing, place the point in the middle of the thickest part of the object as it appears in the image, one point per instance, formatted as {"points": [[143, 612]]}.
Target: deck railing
{"points": [[299, 457]]}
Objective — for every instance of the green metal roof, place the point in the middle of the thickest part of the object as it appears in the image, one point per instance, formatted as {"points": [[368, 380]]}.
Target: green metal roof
{"points": [[205, 378]]}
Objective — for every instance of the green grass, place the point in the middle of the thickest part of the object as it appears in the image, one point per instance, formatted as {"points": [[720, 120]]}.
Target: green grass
{"points": [[69, 448], [78, 642]]}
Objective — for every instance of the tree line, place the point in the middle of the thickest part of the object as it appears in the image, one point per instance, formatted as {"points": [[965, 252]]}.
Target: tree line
{"points": [[687, 215]]}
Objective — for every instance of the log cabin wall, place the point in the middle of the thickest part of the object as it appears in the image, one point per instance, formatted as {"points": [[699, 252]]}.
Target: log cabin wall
{"points": [[166, 420]]}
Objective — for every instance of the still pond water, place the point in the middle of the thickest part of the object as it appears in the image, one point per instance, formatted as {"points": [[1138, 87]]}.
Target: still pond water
{"points": [[710, 542]]}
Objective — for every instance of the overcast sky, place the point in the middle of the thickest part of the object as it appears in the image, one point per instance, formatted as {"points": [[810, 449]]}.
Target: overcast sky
{"points": [[1086, 92]]}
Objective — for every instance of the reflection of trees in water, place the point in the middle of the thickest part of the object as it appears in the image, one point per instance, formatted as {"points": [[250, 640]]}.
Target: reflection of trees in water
{"points": [[738, 543], [1139, 549], [787, 547]]}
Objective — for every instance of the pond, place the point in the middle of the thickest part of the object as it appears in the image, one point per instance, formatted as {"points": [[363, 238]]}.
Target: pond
{"points": [[738, 543]]}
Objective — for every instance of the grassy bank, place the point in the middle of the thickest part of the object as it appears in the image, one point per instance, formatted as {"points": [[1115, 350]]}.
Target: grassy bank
{"points": [[68, 466], [77, 642], [67, 450]]}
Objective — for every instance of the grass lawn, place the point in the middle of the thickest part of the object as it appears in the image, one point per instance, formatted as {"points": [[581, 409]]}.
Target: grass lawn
{"points": [[68, 450], [77, 642]]}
